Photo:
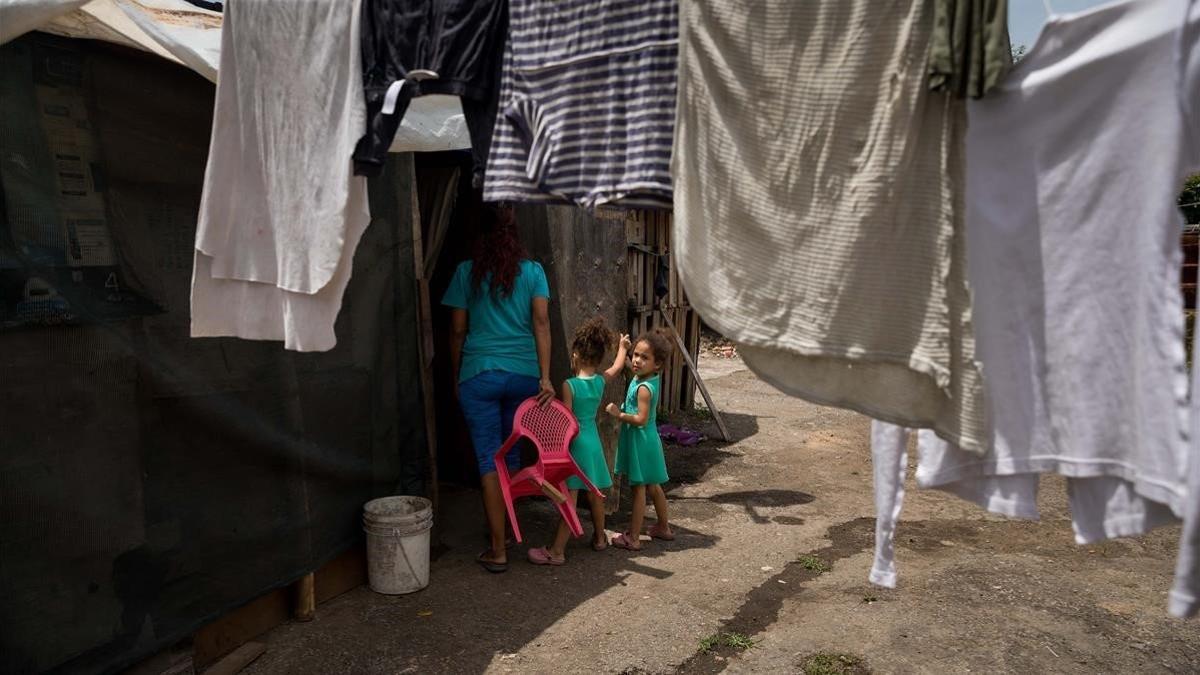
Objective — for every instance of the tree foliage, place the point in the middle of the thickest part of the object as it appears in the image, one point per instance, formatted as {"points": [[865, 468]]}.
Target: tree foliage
{"points": [[1189, 199]]}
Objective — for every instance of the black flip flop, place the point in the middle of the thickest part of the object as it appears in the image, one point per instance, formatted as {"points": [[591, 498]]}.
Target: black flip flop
{"points": [[491, 565]]}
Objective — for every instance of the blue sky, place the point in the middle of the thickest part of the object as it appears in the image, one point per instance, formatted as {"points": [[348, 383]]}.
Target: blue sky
{"points": [[1025, 17]]}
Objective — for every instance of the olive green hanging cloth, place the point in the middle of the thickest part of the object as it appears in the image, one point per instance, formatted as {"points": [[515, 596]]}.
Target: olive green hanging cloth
{"points": [[970, 51]]}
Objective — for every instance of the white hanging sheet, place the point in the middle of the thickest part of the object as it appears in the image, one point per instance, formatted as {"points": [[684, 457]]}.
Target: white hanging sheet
{"points": [[818, 210], [1073, 164]]}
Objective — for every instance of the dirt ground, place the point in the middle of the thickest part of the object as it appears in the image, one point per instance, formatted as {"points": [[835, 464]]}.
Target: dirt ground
{"points": [[768, 574]]}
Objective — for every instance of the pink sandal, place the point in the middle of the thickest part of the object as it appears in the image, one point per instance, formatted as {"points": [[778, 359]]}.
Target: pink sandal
{"points": [[623, 541], [542, 556]]}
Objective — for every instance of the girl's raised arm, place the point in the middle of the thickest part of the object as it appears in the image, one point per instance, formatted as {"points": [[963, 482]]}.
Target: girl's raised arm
{"points": [[621, 361]]}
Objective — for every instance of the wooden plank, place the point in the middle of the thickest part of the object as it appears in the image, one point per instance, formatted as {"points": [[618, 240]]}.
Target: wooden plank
{"points": [[344, 573], [694, 347], [237, 660], [686, 397], [649, 275], [177, 660], [211, 642], [425, 345], [305, 608], [639, 278], [231, 631], [703, 389], [677, 369], [655, 244], [636, 273], [672, 276], [683, 371]]}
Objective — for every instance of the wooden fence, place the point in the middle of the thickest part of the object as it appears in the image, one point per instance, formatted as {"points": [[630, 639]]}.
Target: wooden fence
{"points": [[654, 288], [1191, 258]]}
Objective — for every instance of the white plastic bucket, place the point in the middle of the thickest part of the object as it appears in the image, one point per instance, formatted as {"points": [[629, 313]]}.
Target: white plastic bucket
{"points": [[397, 531]]}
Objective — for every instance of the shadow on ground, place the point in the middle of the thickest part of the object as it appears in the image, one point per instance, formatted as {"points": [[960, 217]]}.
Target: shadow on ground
{"points": [[486, 617], [741, 426]]}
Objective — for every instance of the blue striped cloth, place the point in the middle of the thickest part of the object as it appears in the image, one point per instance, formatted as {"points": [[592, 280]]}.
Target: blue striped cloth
{"points": [[587, 101]]}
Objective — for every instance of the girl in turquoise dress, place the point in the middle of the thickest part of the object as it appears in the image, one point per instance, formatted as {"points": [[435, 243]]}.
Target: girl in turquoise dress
{"points": [[639, 449], [583, 394]]}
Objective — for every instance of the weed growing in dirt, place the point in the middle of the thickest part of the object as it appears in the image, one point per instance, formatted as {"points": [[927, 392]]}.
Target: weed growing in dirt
{"points": [[736, 641], [702, 412], [834, 664], [813, 564]]}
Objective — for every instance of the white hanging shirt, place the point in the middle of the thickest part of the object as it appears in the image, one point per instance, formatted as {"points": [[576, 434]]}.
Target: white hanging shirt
{"points": [[282, 213], [1101, 507], [818, 205], [277, 190], [1073, 167], [254, 311]]}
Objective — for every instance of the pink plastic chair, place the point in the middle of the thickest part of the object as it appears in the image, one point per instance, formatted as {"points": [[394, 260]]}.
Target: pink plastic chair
{"points": [[550, 428]]}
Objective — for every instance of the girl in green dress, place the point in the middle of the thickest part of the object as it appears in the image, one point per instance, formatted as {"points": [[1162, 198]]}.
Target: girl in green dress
{"points": [[583, 394], [639, 449]]}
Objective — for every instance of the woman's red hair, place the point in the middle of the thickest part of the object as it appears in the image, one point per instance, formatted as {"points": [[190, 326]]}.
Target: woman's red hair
{"points": [[498, 253]]}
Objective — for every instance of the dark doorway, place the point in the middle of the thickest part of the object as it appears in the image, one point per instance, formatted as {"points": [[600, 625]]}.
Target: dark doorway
{"points": [[435, 175]]}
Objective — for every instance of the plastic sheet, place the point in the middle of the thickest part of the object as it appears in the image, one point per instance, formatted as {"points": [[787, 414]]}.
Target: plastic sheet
{"points": [[184, 33]]}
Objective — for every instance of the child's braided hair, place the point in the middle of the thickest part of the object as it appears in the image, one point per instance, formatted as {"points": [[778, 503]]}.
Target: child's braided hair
{"points": [[592, 341]]}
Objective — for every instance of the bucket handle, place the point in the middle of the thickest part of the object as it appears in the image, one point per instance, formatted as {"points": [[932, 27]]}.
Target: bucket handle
{"points": [[395, 532]]}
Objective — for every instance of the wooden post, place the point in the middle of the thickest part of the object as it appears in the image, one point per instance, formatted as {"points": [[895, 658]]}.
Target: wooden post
{"points": [[687, 357], [306, 598], [424, 343]]}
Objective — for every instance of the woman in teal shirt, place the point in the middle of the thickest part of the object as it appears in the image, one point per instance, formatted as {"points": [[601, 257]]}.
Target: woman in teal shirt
{"points": [[500, 353]]}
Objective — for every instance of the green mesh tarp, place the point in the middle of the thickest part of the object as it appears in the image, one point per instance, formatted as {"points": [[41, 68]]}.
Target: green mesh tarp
{"points": [[150, 482]]}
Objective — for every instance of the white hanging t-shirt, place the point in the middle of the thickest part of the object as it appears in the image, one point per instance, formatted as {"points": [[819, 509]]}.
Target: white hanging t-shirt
{"points": [[1102, 507], [282, 214], [1073, 167], [253, 311], [289, 109]]}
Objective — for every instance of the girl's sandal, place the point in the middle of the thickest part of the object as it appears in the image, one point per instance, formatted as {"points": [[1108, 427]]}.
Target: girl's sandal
{"points": [[599, 546], [542, 556], [656, 533], [623, 541], [491, 565]]}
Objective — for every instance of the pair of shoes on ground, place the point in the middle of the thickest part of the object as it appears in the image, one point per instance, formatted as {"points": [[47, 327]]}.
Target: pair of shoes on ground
{"points": [[542, 555], [628, 542]]}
